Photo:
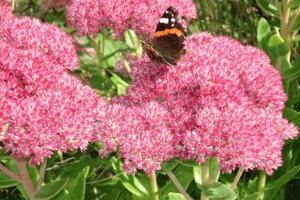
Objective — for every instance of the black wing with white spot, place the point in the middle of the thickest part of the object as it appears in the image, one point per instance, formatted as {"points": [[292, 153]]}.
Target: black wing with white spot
{"points": [[169, 20]]}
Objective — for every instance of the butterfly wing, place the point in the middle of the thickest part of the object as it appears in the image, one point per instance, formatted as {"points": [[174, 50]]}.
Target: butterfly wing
{"points": [[169, 37], [154, 55]]}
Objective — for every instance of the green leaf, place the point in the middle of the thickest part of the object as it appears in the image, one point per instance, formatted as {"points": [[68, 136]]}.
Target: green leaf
{"points": [[267, 8], [22, 191], [100, 82], [263, 30], [3, 155], [277, 47], [118, 80], [219, 191], [169, 166], [276, 194], [197, 171], [293, 73], [252, 185], [131, 38], [34, 173], [6, 181], [74, 169], [292, 115], [188, 163], [296, 25], [116, 192], [75, 189], [214, 169], [175, 196], [120, 84], [286, 64], [121, 89], [52, 189], [109, 48], [133, 42], [284, 179], [291, 87], [227, 178], [288, 154], [251, 196], [131, 183], [184, 175], [294, 3]]}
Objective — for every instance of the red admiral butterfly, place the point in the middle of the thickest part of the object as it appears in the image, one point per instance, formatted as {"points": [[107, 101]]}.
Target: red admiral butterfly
{"points": [[167, 45]]}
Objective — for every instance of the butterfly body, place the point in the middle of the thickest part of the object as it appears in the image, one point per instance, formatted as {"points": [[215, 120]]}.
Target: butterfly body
{"points": [[167, 45]]}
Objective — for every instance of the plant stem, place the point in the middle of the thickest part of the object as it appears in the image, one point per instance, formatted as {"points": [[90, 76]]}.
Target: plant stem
{"points": [[9, 173], [237, 178], [294, 18], [205, 178], [285, 19], [205, 173], [41, 177], [154, 186], [261, 184], [203, 197], [178, 185], [285, 32], [13, 2], [25, 178]]}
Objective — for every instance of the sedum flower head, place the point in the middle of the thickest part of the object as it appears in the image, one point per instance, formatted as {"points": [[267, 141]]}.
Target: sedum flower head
{"points": [[141, 134], [224, 99], [34, 37], [5, 10], [46, 108], [90, 16]]}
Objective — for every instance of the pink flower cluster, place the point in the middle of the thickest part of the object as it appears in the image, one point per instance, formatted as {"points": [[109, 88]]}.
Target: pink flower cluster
{"points": [[46, 108], [5, 10], [90, 16], [141, 134], [223, 99]]}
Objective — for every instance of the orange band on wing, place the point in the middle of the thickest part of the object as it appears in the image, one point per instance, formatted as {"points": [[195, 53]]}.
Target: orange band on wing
{"points": [[168, 31]]}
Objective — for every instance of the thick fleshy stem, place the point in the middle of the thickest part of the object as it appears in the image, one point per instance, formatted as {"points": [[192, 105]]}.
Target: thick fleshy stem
{"points": [[287, 22], [41, 177], [9, 173], [25, 178], [205, 178], [178, 185], [261, 184], [154, 186], [237, 178], [203, 197], [13, 2]]}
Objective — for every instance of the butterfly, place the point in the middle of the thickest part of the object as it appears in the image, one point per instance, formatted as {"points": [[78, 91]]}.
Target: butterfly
{"points": [[167, 44]]}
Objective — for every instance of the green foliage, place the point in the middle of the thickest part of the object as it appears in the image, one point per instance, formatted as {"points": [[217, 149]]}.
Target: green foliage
{"points": [[138, 186], [175, 196], [237, 19], [75, 188], [184, 174], [50, 190], [218, 190], [6, 181]]}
